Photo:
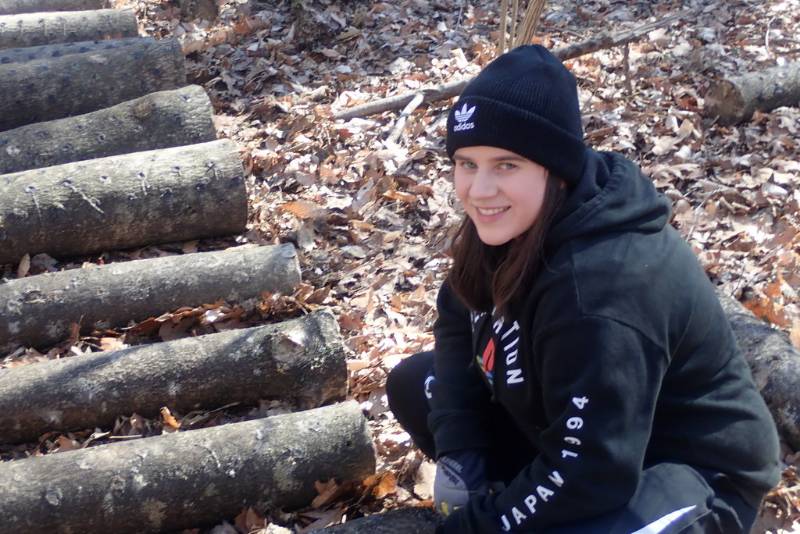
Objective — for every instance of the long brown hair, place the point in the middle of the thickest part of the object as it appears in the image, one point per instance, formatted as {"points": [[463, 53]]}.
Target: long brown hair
{"points": [[483, 276]]}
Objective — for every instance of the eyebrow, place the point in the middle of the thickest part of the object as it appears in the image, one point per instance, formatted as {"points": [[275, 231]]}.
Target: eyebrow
{"points": [[493, 160]]}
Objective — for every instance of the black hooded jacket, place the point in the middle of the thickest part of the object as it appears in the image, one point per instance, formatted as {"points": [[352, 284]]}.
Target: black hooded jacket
{"points": [[621, 357]]}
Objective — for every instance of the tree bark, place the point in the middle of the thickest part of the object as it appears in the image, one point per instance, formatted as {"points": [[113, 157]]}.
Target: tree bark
{"points": [[15, 7], [301, 360], [185, 479], [38, 310], [158, 120], [775, 364], [735, 99], [48, 89], [34, 29], [406, 520], [159, 196], [451, 89], [31, 53]]}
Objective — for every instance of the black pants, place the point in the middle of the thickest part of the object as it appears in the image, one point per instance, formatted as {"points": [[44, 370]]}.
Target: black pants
{"points": [[666, 490]]}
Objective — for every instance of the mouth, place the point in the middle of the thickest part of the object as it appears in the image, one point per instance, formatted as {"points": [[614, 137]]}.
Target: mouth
{"points": [[488, 212]]}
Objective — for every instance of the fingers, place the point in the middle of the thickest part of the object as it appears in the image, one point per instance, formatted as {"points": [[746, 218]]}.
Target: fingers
{"points": [[446, 509]]}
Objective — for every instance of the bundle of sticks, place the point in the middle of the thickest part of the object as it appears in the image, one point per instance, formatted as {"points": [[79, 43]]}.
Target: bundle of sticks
{"points": [[513, 31]]}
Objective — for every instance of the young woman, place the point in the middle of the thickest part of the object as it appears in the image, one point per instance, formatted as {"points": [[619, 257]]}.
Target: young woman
{"points": [[584, 378]]}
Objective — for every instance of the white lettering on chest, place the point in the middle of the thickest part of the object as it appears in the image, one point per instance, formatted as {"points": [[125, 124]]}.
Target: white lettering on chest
{"points": [[509, 335]]}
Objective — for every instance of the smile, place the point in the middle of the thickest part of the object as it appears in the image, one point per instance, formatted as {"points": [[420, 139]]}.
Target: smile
{"points": [[491, 211]]}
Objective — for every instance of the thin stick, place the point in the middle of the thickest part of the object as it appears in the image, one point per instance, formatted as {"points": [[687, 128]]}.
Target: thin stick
{"points": [[766, 37], [514, 21], [532, 15], [401, 121], [627, 63], [501, 46]]}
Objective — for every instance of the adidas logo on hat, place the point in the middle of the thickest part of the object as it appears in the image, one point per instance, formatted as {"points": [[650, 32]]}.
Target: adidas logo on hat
{"points": [[462, 116]]}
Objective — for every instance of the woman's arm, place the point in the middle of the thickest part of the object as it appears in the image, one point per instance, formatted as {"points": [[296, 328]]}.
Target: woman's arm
{"points": [[460, 397], [600, 381]]}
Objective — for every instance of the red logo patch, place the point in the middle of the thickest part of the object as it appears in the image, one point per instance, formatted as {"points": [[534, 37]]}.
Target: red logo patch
{"points": [[488, 357]]}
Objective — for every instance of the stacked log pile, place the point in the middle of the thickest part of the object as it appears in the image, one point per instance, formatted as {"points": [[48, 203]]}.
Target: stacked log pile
{"points": [[104, 147]]}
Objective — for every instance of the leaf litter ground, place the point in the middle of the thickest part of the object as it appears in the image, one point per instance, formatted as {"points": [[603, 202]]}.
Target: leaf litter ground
{"points": [[370, 212]]}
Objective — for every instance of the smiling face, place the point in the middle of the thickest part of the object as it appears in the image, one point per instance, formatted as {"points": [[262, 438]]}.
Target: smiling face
{"points": [[502, 192]]}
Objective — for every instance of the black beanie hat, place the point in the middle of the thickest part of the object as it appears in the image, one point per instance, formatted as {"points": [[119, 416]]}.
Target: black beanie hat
{"points": [[524, 101]]}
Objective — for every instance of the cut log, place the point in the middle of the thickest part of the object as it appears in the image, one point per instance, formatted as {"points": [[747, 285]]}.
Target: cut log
{"points": [[34, 29], [407, 521], [735, 99], [38, 310], [159, 196], [31, 53], [15, 7], [186, 479], [158, 120], [775, 364], [48, 89], [451, 89], [300, 360]]}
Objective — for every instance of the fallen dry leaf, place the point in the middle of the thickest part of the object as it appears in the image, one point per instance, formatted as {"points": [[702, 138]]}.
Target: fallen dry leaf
{"points": [[168, 419], [249, 520], [303, 209], [66, 444], [326, 490], [24, 266], [381, 484], [112, 343]]}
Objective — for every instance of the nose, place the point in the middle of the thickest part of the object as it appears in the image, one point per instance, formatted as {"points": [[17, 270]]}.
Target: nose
{"points": [[483, 185]]}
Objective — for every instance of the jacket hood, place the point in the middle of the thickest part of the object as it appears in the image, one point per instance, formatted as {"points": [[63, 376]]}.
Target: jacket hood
{"points": [[612, 196]]}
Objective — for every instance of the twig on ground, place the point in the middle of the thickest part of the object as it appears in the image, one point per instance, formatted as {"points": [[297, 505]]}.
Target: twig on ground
{"points": [[397, 131]]}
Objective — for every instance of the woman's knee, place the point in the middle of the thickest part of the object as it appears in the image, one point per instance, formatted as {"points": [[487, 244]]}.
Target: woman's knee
{"points": [[405, 390], [406, 381]]}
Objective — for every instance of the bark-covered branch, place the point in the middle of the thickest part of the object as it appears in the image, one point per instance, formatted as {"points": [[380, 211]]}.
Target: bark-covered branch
{"points": [[735, 99], [158, 120], [775, 364], [159, 196], [300, 360], [186, 479], [38, 310], [47, 89], [33, 29], [15, 7], [31, 53], [406, 520]]}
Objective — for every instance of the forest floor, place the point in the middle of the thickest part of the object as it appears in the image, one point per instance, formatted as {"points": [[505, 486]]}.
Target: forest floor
{"points": [[371, 215]]}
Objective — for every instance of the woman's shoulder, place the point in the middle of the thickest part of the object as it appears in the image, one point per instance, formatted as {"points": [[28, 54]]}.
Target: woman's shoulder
{"points": [[643, 280]]}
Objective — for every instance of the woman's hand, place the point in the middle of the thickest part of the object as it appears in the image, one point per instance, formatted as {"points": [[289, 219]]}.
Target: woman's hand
{"points": [[459, 476]]}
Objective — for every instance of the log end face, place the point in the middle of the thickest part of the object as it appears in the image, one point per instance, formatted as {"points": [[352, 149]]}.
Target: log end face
{"points": [[725, 101]]}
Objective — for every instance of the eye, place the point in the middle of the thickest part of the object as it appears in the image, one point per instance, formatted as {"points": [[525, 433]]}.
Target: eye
{"points": [[466, 164], [507, 166]]}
